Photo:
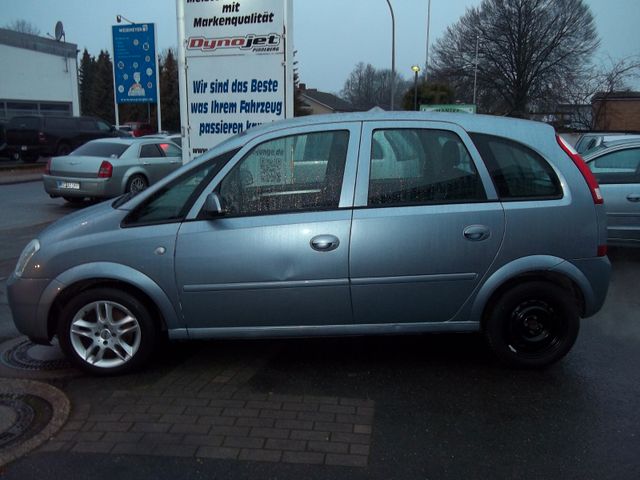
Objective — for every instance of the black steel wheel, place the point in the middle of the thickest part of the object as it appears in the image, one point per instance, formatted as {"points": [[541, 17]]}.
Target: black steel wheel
{"points": [[533, 325]]}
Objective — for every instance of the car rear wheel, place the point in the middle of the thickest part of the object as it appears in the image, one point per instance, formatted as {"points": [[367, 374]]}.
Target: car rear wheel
{"points": [[533, 325], [136, 184], [29, 157], [74, 200], [63, 149], [105, 331]]}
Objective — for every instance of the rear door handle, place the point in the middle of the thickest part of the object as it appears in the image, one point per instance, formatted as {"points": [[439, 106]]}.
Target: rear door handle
{"points": [[324, 243], [633, 197], [477, 233]]}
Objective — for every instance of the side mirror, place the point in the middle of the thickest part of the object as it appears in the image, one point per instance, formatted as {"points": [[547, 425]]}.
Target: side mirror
{"points": [[213, 206]]}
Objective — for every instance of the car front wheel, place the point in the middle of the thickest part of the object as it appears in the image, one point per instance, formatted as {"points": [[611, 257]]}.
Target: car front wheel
{"points": [[533, 325], [106, 331]]}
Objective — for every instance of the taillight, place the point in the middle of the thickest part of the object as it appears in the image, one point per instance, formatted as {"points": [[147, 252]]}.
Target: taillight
{"points": [[106, 170], [47, 169], [42, 138], [602, 250], [584, 170]]}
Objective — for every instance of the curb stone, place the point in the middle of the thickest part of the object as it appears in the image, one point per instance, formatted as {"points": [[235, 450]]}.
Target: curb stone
{"points": [[60, 406]]}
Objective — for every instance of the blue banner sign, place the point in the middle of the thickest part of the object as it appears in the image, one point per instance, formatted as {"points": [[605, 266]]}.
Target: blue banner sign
{"points": [[134, 63]]}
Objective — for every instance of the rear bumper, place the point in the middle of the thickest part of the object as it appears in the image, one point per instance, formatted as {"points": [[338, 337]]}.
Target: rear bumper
{"points": [[593, 281], [89, 187], [31, 150]]}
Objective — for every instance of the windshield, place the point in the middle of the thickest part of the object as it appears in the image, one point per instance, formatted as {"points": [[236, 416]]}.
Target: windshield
{"points": [[173, 201], [101, 149]]}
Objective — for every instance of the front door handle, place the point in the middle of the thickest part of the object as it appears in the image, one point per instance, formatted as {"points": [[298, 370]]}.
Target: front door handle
{"points": [[477, 233], [324, 243], [633, 197]]}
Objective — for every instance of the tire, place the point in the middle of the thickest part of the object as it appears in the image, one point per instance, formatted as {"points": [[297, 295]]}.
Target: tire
{"points": [[533, 325], [63, 149], [105, 331], [29, 158], [136, 184], [74, 200]]}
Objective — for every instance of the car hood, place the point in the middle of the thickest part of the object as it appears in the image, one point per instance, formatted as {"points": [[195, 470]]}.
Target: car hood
{"points": [[87, 221]]}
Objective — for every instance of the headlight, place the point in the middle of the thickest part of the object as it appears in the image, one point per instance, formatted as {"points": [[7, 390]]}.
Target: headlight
{"points": [[26, 255]]}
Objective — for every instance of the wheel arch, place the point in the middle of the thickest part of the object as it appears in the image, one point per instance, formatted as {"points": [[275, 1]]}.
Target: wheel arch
{"points": [[112, 275], [132, 172], [549, 269]]}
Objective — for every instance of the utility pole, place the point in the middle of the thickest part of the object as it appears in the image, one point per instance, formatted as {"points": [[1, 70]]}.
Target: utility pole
{"points": [[393, 56]]}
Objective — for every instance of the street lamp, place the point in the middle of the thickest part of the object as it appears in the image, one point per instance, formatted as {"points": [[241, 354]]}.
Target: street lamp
{"points": [[393, 56], [119, 19], [416, 71]]}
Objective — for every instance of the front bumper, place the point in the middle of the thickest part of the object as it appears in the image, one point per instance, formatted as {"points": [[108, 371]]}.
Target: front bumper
{"points": [[28, 307], [89, 187]]}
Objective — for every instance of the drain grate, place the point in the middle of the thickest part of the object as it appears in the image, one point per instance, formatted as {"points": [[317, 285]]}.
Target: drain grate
{"points": [[31, 415], [21, 356]]}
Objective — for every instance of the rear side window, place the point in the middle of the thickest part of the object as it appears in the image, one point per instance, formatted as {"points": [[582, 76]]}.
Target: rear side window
{"points": [[622, 166], [518, 172], [150, 151], [421, 166], [68, 124], [24, 123]]}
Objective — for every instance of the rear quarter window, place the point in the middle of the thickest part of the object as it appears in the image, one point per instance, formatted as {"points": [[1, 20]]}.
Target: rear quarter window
{"points": [[518, 172]]}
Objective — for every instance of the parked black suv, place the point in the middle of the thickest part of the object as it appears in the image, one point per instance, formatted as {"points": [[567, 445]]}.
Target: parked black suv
{"points": [[32, 136]]}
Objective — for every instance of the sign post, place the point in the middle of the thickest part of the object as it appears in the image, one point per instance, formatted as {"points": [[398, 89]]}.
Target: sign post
{"points": [[135, 66], [235, 68]]}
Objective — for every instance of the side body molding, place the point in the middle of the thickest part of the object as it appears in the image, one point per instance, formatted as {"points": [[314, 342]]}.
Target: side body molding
{"points": [[110, 271]]}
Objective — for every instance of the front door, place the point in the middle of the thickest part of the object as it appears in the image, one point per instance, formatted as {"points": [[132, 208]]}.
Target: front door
{"points": [[278, 257], [429, 225]]}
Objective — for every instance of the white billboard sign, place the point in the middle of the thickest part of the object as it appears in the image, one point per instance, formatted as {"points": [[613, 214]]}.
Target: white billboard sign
{"points": [[236, 68]]}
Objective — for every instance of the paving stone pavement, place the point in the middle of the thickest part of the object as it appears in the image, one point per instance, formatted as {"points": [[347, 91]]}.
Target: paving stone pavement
{"points": [[209, 411]]}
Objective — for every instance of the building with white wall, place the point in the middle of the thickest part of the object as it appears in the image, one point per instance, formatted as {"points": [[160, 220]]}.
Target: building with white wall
{"points": [[39, 76]]}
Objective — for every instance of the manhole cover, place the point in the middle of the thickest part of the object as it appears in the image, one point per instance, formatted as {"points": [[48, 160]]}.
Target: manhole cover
{"points": [[26, 355], [28, 414]]}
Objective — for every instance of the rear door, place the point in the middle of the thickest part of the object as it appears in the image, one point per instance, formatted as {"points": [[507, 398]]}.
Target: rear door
{"points": [[153, 160], [279, 258], [618, 173], [428, 224], [23, 131]]}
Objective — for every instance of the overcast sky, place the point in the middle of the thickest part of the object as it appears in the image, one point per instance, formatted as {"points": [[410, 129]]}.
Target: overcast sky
{"points": [[331, 36]]}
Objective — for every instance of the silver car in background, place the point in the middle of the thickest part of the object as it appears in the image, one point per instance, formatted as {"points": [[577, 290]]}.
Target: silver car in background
{"points": [[110, 167], [344, 224], [616, 165]]}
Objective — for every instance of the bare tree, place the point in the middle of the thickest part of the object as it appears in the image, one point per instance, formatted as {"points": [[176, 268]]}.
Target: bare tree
{"points": [[526, 48], [23, 26], [368, 87]]}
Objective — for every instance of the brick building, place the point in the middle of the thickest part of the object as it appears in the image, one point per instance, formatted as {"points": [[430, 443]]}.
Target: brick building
{"points": [[616, 111]]}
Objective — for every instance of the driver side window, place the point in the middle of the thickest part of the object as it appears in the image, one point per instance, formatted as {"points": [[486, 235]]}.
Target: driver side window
{"points": [[290, 174]]}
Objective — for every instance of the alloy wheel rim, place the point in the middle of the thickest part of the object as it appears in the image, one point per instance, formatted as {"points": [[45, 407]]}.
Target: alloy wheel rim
{"points": [[137, 185], [105, 334]]}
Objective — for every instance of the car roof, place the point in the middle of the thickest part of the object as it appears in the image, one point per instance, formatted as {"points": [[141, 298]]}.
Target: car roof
{"points": [[126, 140], [465, 120], [611, 147]]}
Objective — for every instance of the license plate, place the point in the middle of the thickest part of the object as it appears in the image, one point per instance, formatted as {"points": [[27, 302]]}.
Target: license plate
{"points": [[24, 148], [69, 185]]}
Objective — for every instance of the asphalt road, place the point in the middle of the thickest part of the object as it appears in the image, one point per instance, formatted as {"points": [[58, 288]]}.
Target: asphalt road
{"points": [[444, 408]]}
